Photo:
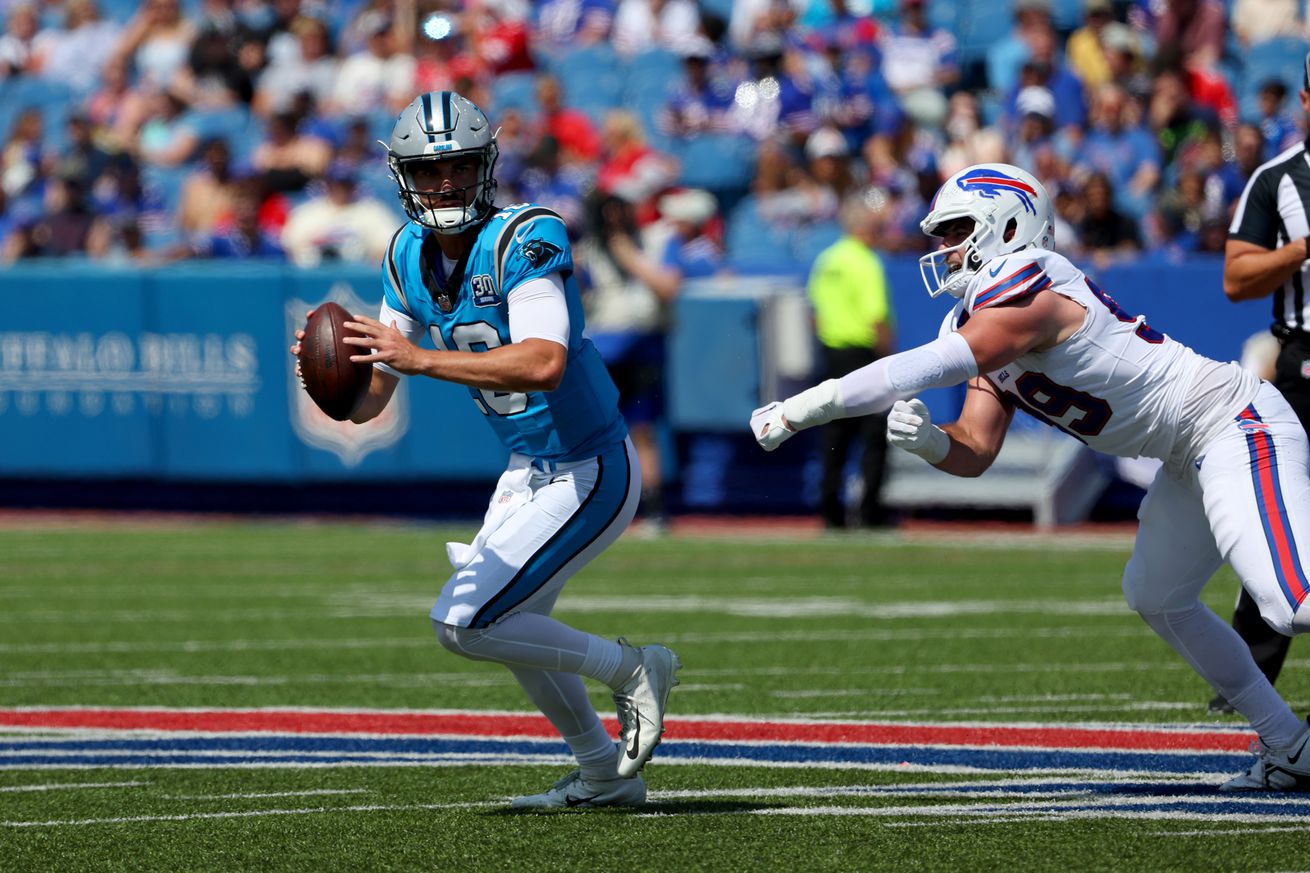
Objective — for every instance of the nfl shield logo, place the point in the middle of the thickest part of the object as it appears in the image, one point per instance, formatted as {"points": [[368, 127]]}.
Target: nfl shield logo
{"points": [[1305, 369], [349, 442]]}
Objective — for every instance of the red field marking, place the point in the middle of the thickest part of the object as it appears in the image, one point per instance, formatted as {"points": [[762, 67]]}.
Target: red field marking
{"points": [[501, 724]]}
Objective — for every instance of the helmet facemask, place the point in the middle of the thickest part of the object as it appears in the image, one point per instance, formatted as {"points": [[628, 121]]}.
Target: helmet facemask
{"points": [[478, 198], [935, 268]]}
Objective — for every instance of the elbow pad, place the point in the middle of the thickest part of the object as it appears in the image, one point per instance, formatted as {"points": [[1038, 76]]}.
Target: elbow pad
{"points": [[941, 363]]}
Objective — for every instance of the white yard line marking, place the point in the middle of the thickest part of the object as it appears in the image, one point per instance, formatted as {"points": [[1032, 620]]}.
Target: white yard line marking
{"points": [[69, 786], [254, 813], [256, 796]]}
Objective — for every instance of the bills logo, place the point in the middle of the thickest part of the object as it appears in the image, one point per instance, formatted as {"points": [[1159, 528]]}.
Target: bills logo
{"points": [[990, 183], [1250, 425]]}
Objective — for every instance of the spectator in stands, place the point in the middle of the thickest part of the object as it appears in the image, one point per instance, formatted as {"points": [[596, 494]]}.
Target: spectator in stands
{"points": [[642, 25], [206, 192], [702, 101], [338, 225], [1231, 177], [16, 46], [562, 25], [1195, 29], [115, 108], [311, 68], [157, 40], [547, 181], [1280, 127], [213, 77], [1173, 117], [1254, 21], [1123, 55], [22, 164], [167, 138], [1044, 69], [498, 31], [829, 165], [635, 277], [1085, 49], [243, 236], [863, 104], [630, 168], [968, 142], [855, 326], [81, 159], [75, 54], [918, 61], [378, 77], [1005, 59], [62, 228], [759, 27], [1121, 149], [290, 159], [1183, 210], [578, 140], [1104, 232]]}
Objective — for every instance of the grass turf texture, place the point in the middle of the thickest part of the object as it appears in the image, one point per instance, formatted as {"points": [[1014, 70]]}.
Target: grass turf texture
{"points": [[275, 614]]}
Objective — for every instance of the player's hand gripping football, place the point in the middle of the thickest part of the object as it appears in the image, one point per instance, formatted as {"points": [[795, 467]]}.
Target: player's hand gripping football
{"points": [[770, 427], [295, 348], [388, 345], [910, 427]]}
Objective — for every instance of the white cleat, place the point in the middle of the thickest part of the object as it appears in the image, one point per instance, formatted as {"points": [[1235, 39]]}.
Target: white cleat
{"points": [[640, 705], [1286, 770], [574, 792]]}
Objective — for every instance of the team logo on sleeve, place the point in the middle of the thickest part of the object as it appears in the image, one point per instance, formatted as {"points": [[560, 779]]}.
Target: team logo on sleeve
{"points": [[538, 251], [990, 183]]}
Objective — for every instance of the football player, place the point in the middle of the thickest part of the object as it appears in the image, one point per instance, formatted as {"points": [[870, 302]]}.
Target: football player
{"points": [[494, 289], [1029, 331]]}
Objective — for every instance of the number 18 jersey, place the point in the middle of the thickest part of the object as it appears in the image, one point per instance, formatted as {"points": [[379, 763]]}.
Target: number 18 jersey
{"points": [[1117, 384], [580, 419]]}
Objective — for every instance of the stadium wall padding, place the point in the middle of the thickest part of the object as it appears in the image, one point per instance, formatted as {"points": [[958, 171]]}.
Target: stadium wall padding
{"points": [[182, 373]]}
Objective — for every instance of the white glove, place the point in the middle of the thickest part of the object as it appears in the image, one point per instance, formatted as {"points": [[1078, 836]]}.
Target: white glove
{"points": [[769, 427], [910, 427]]}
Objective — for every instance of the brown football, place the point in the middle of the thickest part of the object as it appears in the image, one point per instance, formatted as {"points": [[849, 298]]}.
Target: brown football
{"points": [[333, 381]]}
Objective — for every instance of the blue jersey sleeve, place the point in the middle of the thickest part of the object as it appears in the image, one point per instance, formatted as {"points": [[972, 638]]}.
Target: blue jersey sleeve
{"points": [[538, 246], [393, 279]]}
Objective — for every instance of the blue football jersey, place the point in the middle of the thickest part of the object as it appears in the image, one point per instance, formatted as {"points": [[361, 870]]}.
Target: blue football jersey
{"points": [[577, 420]]}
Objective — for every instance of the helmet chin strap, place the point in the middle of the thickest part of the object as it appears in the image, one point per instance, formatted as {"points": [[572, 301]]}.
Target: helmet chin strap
{"points": [[449, 220]]}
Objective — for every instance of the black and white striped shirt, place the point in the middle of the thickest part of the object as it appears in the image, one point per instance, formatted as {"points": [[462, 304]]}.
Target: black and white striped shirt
{"points": [[1272, 212]]}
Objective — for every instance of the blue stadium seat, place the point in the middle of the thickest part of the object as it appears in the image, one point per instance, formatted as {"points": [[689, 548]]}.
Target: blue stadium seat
{"points": [[810, 241], [1280, 58], [514, 91], [979, 25], [754, 247], [228, 124], [592, 80], [718, 162]]}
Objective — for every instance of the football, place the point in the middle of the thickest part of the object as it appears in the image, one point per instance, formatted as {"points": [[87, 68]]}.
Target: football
{"points": [[331, 379]]}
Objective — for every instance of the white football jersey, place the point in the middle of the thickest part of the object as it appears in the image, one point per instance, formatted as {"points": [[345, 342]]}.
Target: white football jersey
{"points": [[1117, 384]]}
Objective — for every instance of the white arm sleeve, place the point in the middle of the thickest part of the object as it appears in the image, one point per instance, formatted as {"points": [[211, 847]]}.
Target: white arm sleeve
{"points": [[401, 321], [538, 310], [945, 361]]}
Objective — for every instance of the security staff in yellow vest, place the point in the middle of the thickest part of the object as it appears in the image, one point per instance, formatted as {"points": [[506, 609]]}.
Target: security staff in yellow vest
{"points": [[854, 322]]}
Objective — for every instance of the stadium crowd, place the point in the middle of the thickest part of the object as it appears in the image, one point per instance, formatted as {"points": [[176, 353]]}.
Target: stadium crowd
{"points": [[247, 128]]}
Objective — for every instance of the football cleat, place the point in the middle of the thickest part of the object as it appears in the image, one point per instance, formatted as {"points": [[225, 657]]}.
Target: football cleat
{"points": [[1220, 706], [640, 704], [574, 792], [1286, 770]]}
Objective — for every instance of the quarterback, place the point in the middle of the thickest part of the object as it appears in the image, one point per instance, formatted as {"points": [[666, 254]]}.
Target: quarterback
{"points": [[1029, 331], [494, 289]]}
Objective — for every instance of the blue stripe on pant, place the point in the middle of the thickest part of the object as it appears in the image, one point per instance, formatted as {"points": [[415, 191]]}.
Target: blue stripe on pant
{"points": [[593, 517]]}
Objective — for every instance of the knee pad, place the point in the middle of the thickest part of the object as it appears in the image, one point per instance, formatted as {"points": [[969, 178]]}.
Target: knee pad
{"points": [[1135, 590]]}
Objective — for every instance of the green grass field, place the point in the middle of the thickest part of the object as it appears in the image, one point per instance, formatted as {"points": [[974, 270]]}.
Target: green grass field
{"points": [[955, 629]]}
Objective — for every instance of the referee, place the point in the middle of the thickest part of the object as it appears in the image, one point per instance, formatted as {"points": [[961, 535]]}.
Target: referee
{"points": [[1267, 254]]}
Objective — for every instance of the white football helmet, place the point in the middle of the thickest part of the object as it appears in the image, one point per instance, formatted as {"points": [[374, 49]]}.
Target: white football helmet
{"points": [[439, 126], [994, 196]]}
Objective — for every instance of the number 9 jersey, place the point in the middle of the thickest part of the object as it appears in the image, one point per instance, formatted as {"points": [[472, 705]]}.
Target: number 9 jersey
{"points": [[465, 307], [1117, 384]]}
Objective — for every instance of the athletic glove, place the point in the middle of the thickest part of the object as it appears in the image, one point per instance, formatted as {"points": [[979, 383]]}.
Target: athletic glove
{"points": [[910, 427], [769, 427]]}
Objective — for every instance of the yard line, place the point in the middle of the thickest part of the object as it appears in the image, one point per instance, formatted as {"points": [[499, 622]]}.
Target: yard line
{"points": [[257, 796], [61, 786], [113, 678], [254, 813], [127, 647], [903, 634]]}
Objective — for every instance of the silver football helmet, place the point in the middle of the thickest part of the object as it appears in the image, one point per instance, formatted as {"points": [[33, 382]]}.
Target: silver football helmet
{"points": [[998, 197], [440, 126]]}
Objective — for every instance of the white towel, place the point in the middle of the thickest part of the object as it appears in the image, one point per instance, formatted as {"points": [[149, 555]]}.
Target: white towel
{"points": [[512, 491]]}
